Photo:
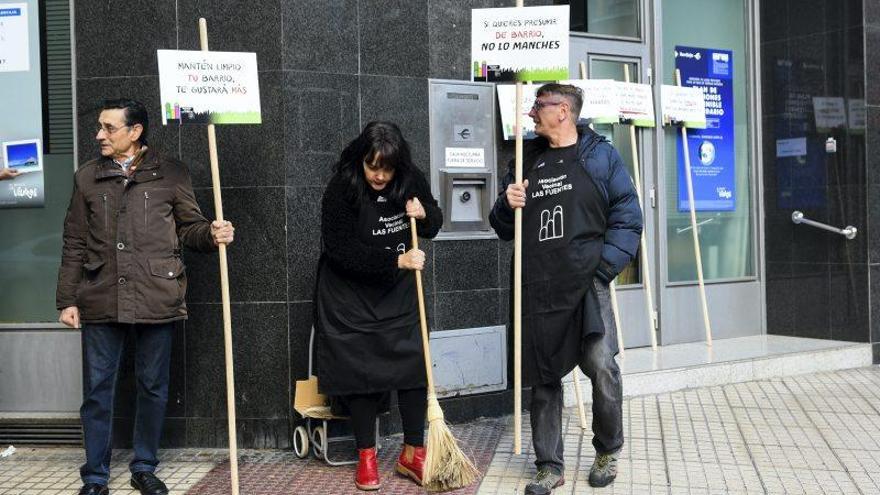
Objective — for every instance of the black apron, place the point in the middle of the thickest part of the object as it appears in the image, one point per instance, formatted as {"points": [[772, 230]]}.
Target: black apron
{"points": [[368, 337], [564, 223]]}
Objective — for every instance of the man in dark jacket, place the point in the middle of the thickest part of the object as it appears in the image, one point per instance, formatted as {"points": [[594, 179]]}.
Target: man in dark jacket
{"points": [[581, 226], [122, 275]]}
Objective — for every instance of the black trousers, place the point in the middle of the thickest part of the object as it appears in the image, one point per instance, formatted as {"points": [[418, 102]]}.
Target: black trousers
{"points": [[364, 409]]}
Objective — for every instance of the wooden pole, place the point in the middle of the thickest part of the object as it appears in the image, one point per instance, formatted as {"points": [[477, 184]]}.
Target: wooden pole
{"points": [[517, 278], [696, 236], [612, 287], [643, 245], [224, 290]]}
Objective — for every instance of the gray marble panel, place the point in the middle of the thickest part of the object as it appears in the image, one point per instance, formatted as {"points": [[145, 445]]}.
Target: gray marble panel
{"points": [[234, 26], [393, 37], [466, 264], [872, 59], [811, 289], [404, 101], [121, 38], [303, 240], [449, 37], [256, 259], [90, 97], [321, 35], [872, 145], [300, 324], [872, 13], [248, 155], [874, 286], [849, 303], [467, 309], [321, 118], [781, 301], [262, 372], [872, 232], [260, 433]]}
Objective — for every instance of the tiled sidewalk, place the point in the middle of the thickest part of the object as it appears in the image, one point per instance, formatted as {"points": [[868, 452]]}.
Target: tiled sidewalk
{"points": [[807, 434]]}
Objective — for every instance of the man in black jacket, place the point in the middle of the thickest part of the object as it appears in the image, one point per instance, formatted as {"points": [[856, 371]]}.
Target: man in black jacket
{"points": [[581, 226]]}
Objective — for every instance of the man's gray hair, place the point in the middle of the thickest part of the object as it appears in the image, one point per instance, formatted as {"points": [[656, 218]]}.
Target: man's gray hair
{"points": [[573, 94]]}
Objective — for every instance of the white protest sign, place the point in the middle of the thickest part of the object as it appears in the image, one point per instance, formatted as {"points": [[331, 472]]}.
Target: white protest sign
{"points": [[15, 55], [601, 105], [829, 111], [857, 113], [507, 109], [636, 103], [465, 157], [519, 44], [199, 87], [683, 105]]}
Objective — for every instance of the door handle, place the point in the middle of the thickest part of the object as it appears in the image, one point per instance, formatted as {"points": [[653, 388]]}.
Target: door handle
{"points": [[849, 231]]}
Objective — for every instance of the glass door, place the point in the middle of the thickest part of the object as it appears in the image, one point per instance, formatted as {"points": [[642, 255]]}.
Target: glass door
{"points": [[710, 42], [606, 59]]}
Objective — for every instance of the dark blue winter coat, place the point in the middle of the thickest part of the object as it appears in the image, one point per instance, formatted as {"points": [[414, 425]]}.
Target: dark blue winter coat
{"points": [[605, 167]]}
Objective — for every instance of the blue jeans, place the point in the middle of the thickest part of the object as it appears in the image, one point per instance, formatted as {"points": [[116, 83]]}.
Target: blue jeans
{"points": [[102, 346], [597, 362]]}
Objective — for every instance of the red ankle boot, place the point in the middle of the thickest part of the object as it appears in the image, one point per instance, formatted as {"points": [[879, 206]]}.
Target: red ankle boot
{"points": [[367, 476], [411, 463]]}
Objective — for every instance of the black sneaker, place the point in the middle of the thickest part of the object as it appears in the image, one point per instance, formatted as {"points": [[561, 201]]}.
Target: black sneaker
{"points": [[544, 482], [604, 469], [94, 489], [148, 484]]}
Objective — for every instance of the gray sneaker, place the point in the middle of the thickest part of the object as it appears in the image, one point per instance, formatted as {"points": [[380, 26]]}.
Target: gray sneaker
{"points": [[604, 469], [544, 482]]}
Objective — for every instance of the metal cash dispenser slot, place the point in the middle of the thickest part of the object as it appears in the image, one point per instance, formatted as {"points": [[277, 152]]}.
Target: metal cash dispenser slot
{"points": [[463, 159]]}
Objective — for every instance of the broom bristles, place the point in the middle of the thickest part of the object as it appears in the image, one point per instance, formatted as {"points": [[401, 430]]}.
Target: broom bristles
{"points": [[446, 466]]}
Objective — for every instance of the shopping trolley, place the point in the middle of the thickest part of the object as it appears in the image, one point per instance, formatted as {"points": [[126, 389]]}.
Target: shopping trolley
{"points": [[316, 410]]}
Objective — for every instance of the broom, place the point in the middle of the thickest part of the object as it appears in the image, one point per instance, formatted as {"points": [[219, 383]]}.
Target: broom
{"points": [[446, 466]]}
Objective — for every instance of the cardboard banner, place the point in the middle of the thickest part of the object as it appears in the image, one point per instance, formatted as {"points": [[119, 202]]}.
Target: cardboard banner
{"points": [[200, 87], [712, 149], [601, 100], [683, 106], [636, 104], [602, 104], [829, 112], [519, 44]]}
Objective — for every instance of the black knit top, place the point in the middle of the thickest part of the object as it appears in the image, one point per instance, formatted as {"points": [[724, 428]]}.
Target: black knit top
{"points": [[344, 249]]}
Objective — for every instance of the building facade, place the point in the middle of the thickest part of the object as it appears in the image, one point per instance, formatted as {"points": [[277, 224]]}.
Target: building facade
{"points": [[328, 67]]}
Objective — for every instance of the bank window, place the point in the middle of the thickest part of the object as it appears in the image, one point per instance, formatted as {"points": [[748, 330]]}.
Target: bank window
{"points": [[36, 138], [613, 18]]}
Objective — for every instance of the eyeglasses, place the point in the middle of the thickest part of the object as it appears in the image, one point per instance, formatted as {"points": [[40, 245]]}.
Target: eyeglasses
{"points": [[108, 129], [541, 104]]}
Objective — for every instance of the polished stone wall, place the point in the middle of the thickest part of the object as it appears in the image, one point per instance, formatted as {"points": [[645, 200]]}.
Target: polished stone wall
{"points": [[327, 67], [819, 284]]}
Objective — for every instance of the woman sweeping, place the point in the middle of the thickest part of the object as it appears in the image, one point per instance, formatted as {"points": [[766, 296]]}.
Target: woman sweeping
{"points": [[367, 322]]}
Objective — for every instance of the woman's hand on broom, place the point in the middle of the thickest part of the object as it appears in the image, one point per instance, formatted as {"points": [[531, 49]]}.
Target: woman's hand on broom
{"points": [[414, 209], [414, 259]]}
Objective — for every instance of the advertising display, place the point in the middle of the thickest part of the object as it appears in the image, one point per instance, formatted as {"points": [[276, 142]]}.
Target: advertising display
{"points": [[712, 149], [209, 87], [519, 44], [21, 117]]}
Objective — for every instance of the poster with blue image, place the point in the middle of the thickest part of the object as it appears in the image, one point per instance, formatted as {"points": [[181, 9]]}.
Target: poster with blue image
{"points": [[712, 150]]}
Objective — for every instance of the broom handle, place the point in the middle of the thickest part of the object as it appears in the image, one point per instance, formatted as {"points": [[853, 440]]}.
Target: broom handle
{"points": [[224, 291], [423, 322], [643, 245], [696, 236]]}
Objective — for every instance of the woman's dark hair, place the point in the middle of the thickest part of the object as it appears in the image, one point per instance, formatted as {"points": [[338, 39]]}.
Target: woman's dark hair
{"points": [[381, 139], [135, 113]]}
